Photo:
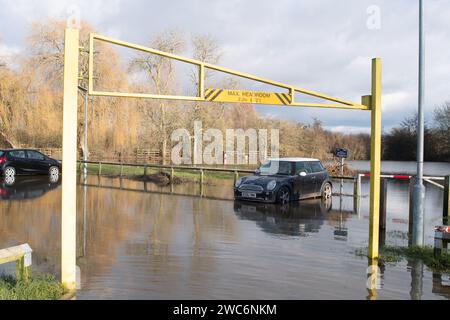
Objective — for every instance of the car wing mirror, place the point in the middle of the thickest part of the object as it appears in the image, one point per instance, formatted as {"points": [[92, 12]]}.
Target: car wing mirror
{"points": [[303, 174], [257, 172]]}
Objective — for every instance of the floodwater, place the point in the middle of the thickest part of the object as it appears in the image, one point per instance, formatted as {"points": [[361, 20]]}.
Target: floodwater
{"points": [[142, 241], [405, 167]]}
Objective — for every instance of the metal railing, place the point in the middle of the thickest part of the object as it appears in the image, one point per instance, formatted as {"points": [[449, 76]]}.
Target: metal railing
{"points": [[22, 256], [146, 167]]}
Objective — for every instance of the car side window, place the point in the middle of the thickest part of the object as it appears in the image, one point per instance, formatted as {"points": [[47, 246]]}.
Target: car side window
{"points": [[316, 167], [302, 167], [299, 168], [20, 154], [34, 155]]}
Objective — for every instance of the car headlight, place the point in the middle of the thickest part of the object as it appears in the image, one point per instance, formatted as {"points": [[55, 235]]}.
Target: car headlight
{"points": [[271, 185], [238, 183]]}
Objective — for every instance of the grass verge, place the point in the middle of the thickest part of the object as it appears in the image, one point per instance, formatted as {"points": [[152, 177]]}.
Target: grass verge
{"points": [[40, 288], [392, 255]]}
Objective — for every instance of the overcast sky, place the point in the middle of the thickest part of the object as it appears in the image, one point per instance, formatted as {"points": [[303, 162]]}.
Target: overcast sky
{"points": [[322, 45]]}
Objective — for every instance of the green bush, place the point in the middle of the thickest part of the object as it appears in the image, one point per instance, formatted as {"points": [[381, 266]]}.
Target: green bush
{"points": [[41, 288]]}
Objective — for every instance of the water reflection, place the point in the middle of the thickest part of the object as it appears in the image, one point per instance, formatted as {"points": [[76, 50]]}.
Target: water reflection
{"points": [[374, 276], [294, 219], [26, 187]]}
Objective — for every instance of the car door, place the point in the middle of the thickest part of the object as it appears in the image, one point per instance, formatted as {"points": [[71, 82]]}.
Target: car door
{"points": [[37, 162], [305, 184], [19, 161], [319, 174]]}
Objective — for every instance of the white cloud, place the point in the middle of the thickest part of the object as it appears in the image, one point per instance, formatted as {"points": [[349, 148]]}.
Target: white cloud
{"points": [[396, 101], [348, 129]]}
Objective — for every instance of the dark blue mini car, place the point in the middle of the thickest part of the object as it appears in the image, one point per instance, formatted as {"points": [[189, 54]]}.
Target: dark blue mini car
{"points": [[284, 180]]}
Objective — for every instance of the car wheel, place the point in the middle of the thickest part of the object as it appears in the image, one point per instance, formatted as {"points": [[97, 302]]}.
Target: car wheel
{"points": [[327, 191], [284, 195], [9, 172], [9, 181], [54, 174]]}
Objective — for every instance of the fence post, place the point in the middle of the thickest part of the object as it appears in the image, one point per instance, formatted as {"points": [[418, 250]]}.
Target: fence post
{"points": [[121, 169], [23, 266], [99, 168], [236, 176], [357, 186], [145, 171], [202, 176], [446, 206], [172, 173]]}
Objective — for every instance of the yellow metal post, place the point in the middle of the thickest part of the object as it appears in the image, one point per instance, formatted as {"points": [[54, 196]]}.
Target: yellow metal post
{"points": [[375, 158], [69, 164]]}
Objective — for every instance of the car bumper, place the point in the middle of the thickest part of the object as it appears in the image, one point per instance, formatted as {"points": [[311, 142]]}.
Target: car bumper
{"points": [[266, 196]]}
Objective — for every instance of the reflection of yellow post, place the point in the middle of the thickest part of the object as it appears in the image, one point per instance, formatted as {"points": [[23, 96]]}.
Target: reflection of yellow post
{"points": [[69, 170], [375, 157], [373, 277]]}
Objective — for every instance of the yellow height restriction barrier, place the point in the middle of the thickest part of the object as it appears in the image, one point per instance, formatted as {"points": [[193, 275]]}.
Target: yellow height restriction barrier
{"points": [[368, 102]]}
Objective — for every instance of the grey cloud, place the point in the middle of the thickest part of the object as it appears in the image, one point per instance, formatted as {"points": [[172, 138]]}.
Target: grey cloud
{"points": [[322, 45]]}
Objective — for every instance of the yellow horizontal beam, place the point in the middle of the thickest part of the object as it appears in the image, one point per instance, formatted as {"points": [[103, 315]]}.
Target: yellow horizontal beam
{"points": [[144, 95], [202, 65], [330, 106], [226, 100]]}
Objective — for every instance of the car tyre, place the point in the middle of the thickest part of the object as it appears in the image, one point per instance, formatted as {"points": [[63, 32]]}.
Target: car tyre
{"points": [[327, 191], [283, 195], [54, 174], [9, 172]]}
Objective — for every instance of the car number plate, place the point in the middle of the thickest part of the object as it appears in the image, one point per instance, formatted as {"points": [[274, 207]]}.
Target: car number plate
{"points": [[249, 195]]}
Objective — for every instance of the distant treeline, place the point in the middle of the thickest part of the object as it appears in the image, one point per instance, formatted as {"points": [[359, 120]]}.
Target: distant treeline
{"points": [[400, 144], [31, 103]]}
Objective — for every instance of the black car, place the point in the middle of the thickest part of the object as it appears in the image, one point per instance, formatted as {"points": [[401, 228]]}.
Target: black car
{"points": [[22, 161], [285, 180]]}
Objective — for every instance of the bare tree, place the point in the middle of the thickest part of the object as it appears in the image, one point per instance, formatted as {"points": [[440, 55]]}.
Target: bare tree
{"points": [[161, 72]]}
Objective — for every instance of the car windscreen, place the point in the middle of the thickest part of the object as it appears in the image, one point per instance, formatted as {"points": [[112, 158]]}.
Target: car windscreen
{"points": [[276, 168]]}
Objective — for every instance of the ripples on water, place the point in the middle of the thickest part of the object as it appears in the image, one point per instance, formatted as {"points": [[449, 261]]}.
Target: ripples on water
{"points": [[138, 241]]}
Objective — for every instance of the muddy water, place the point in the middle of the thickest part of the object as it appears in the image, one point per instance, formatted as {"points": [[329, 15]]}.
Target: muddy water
{"points": [[141, 241]]}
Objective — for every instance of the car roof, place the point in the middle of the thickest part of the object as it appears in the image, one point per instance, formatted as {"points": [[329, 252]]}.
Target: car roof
{"points": [[295, 159], [9, 150]]}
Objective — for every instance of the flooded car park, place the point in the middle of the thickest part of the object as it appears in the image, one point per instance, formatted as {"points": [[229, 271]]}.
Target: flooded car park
{"points": [[142, 241]]}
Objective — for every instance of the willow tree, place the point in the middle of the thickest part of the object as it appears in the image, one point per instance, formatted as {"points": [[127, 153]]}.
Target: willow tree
{"points": [[113, 124], [12, 107]]}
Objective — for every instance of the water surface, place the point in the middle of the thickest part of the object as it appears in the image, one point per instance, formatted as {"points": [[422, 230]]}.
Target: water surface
{"points": [[142, 241]]}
